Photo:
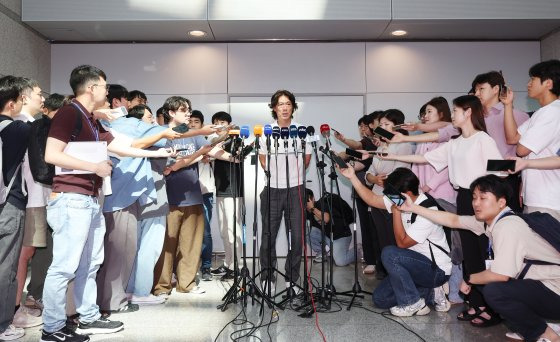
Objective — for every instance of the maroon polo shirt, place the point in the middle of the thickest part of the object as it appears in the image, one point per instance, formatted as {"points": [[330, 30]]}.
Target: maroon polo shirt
{"points": [[62, 127]]}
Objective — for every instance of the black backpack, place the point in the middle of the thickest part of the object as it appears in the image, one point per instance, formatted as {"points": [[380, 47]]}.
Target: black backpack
{"points": [[42, 171], [546, 227]]}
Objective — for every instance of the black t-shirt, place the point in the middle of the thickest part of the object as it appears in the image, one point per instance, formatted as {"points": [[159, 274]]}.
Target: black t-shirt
{"points": [[228, 177], [15, 138], [342, 216]]}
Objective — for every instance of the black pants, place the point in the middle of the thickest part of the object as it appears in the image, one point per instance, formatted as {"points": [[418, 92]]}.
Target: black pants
{"points": [[475, 248], [39, 266], [370, 245], [287, 203], [525, 304], [383, 222]]}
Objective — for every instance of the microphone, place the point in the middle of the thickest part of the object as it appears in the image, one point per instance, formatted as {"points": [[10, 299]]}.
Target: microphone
{"points": [[276, 136], [285, 134], [244, 132], [258, 130], [267, 130], [302, 132], [326, 133], [310, 130], [311, 137], [234, 131], [293, 131]]}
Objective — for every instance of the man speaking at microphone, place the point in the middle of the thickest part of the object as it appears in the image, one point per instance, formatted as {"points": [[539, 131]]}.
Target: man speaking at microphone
{"points": [[286, 193]]}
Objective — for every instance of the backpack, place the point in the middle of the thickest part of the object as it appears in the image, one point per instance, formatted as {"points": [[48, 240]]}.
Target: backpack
{"points": [[428, 203], [42, 171], [5, 190], [546, 227]]}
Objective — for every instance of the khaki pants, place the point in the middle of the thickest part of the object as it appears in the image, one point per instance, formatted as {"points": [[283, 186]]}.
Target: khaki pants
{"points": [[182, 247]]}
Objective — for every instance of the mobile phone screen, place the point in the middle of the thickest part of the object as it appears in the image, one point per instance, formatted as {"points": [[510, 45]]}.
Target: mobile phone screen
{"points": [[338, 160], [182, 128], [503, 91], [397, 199], [383, 133], [500, 165], [353, 153], [393, 194]]}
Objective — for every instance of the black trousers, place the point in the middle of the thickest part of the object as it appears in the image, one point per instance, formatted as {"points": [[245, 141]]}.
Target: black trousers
{"points": [[525, 304], [475, 248], [383, 222], [370, 245], [39, 266], [287, 203]]}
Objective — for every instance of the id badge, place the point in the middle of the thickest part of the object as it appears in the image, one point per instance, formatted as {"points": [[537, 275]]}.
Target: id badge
{"points": [[488, 263]]}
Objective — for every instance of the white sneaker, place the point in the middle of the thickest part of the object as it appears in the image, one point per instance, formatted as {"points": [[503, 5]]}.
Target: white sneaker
{"points": [[11, 333], [369, 269], [24, 319], [417, 309], [147, 300], [197, 290], [163, 295], [440, 300], [295, 288], [33, 303], [514, 336]]}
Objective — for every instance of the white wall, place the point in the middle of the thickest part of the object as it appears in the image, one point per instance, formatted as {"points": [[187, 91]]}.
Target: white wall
{"points": [[335, 83]]}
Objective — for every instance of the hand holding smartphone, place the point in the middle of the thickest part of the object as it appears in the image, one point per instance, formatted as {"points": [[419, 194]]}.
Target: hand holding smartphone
{"points": [[383, 133], [500, 165], [338, 160], [182, 128], [393, 195]]}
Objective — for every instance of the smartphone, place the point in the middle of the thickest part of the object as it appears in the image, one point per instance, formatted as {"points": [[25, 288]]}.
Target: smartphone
{"points": [[383, 133], [393, 195], [334, 130], [182, 128], [500, 165], [119, 112], [378, 153], [503, 91], [353, 153], [338, 160]]}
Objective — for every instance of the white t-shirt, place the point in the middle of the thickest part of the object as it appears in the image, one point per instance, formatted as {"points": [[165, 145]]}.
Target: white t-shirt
{"points": [[206, 177], [423, 230], [541, 134], [295, 165], [379, 166], [466, 158], [37, 193]]}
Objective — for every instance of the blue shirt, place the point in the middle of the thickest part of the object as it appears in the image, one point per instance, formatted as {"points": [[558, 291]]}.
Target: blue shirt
{"points": [[183, 187], [132, 179]]}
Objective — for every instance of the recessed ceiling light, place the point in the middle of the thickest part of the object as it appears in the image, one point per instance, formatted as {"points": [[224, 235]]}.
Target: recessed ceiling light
{"points": [[197, 33], [399, 33]]}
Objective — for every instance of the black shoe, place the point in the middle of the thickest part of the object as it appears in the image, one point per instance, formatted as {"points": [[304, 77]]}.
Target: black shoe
{"points": [[229, 275], [101, 326], [220, 270], [65, 334], [127, 308], [206, 275]]}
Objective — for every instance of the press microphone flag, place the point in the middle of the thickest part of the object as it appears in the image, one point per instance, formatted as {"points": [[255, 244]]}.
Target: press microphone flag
{"points": [[310, 130], [325, 130], [258, 130], [267, 130], [284, 132], [276, 132], [302, 132], [244, 132], [293, 131]]}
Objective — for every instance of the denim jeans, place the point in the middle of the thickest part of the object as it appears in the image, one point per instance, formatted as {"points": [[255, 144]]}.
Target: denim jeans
{"points": [[411, 276], [206, 257], [341, 253], [151, 233], [78, 230]]}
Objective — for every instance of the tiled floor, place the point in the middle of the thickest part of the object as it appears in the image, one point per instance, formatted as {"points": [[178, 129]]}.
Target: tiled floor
{"points": [[187, 317]]}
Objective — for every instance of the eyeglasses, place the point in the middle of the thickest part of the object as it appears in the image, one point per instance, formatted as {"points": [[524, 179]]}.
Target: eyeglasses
{"points": [[106, 86]]}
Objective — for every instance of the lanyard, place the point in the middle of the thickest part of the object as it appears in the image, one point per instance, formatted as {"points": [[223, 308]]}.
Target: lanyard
{"points": [[94, 131]]}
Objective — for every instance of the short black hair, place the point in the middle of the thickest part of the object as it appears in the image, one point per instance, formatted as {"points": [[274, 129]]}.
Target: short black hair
{"points": [[403, 180], [274, 101], [10, 89], [375, 115], [136, 93], [494, 78], [548, 70], [196, 114], [393, 115], [221, 116], [116, 91], [308, 194], [83, 74], [164, 114], [175, 102], [494, 185], [55, 101], [28, 85], [138, 111]]}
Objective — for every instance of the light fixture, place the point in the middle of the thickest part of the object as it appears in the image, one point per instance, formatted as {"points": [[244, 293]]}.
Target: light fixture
{"points": [[197, 33], [399, 33]]}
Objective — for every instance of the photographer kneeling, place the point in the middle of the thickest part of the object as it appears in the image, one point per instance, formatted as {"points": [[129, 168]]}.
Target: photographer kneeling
{"points": [[524, 296], [417, 267]]}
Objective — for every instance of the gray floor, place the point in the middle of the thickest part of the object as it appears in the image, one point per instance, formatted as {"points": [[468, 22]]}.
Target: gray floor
{"points": [[188, 317]]}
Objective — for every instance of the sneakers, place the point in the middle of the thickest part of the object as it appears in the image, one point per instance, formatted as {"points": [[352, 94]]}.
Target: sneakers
{"points": [[515, 336], [147, 300], [294, 291], [11, 333], [25, 318], [129, 307], [101, 326], [33, 303], [272, 288], [65, 334], [206, 275], [319, 258], [369, 269], [163, 295], [229, 275], [441, 304], [197, 290], [220, 271], [417, 309]]}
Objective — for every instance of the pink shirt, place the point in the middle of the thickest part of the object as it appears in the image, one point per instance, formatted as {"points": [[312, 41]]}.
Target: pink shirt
{"points": [[494, 126], [437, 181]]}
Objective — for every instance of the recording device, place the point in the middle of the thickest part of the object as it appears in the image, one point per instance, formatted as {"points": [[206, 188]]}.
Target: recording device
{"points": [[182, 128], [500, 165], [377, 153], [393, 195], [244, 132], [503, 91], [383, 133], [267, 130], [354, 153], [334, 130], [258, 130], [219, 139], [302, 132], [338, 160], [293, 131], [284, 132], [276, 132]]}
